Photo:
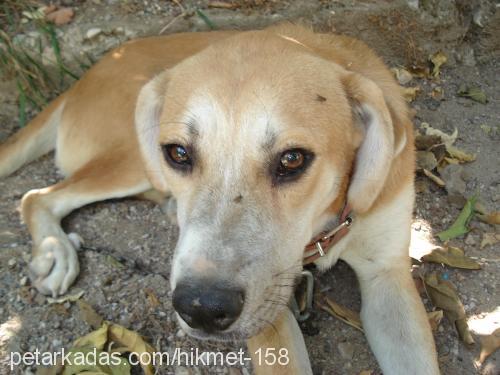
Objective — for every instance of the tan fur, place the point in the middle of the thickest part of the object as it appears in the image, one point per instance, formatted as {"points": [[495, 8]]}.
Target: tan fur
{"points": [[286, 86]]}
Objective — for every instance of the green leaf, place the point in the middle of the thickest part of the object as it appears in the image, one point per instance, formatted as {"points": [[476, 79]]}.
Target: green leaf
{"points": [[460, 227]]}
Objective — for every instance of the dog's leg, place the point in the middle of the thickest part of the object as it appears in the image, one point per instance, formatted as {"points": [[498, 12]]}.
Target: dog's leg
{"points": [[394, 318], [280, 349], [54, 265]]}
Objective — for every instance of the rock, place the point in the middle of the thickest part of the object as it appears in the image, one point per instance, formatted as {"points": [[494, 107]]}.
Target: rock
{"points": [[23, 281], [455, 185], [346, 350], [12, 262], [469, 240], [426, 160], [180, 333], [92, 33]]}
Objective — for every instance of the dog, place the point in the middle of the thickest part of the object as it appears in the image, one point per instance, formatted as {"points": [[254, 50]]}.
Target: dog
{"points": [[263, 141]]}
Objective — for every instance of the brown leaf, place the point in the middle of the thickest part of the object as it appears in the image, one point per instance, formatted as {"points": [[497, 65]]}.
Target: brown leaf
{"points": [[89, 315], [490, 218], [343, 313], [61, 16], [453, 257], [444, 296], [489, 344], [489, 239]]}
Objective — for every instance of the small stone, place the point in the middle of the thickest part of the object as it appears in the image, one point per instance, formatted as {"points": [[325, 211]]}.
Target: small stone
{"points": [[57, 324], [426, 160], [92, 33], [23, 281], [346, 350], [180, 333], [455, 185], [469, 240], [12, 262]]}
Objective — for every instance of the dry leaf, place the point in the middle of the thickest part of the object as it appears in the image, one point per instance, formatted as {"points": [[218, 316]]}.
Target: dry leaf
{"points": [[490, 218], [434, 178], [489, 344], [77, 363], [88, 314], [76, 295], [435, 319], [460, 226], [134, 342], [410, 93], [402, 75], [460, 155], [453, 257], [437, 93], [343, 313], [447, 139], [94, 339], [473, 93], [489, 239], [437, 60], [444, 296]]}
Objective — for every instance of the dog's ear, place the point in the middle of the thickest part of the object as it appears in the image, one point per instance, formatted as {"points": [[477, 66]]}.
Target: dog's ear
{"points": [[377, 149], [148, 109]]}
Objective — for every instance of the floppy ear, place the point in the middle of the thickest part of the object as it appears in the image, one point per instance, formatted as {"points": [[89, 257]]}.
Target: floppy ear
{"points": [[376, 152], [148, 109]]}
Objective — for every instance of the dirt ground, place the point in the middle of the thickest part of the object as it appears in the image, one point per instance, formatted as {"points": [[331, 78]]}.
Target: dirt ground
{"points": [[129, 243]]}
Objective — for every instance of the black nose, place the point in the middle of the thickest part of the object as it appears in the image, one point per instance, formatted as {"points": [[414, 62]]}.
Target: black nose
{"points": [[208, 306]]}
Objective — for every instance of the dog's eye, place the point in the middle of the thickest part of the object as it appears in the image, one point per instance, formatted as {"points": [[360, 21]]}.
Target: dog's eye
{"points": [[291, 164], [291, 160], [177, 156]]}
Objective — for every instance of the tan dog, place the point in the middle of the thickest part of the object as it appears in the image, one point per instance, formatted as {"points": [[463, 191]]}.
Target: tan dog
{"points": [[262, 138]]}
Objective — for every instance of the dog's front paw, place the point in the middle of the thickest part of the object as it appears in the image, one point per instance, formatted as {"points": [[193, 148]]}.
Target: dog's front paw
{"points": [[54, 266]]}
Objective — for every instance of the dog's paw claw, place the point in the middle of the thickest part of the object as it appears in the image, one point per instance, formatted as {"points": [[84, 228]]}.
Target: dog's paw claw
{"points": [[55, 266]]}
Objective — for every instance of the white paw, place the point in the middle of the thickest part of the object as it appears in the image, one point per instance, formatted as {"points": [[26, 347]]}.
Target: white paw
{"points": [[55, 265]]}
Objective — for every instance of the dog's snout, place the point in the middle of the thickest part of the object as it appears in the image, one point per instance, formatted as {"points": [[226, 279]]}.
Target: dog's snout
{"points": [[208, 306]]}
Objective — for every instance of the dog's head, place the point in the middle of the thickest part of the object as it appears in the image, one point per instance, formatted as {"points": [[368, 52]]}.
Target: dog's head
{"points": [[261, 142]]}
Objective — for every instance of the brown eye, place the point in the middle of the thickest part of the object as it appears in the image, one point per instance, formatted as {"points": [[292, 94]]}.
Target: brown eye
{"points": [[291, 164], [177, 156], [292, 159]]}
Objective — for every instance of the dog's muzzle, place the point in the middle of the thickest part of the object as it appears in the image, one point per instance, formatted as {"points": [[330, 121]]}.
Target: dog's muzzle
{"points": [[209, 306]]}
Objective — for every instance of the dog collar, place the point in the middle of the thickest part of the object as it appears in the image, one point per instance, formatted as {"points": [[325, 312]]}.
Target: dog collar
{"points": [[322, 243]]}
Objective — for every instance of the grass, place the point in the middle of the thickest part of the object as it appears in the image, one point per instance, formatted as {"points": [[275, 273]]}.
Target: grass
{"points": [[36, 82]]}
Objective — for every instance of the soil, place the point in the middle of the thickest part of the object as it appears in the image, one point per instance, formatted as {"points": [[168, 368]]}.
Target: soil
{"points": [[128, 244]]}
